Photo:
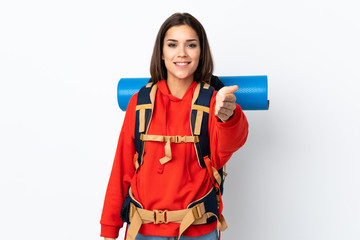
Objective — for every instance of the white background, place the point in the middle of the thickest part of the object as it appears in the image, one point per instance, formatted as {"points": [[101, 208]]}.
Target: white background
{"points": [[296, 178]]}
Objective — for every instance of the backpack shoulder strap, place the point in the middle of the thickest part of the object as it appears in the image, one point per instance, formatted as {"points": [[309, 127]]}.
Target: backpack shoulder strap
{"points": [[199, 120], [144, 109]]}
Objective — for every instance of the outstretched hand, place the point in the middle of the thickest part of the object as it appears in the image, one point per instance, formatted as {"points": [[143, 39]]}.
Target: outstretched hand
{"points": [[225, 102]]}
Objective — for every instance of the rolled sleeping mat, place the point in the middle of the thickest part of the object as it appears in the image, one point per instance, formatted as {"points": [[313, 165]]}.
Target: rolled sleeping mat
{"points": [[251, 95]]}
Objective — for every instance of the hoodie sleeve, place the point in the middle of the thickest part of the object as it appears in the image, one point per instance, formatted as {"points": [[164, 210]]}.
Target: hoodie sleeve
{"points": [[226, 137], [121, 174]]}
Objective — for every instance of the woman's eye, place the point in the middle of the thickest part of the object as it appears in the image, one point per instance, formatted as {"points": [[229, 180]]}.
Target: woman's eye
{"points": [[171, 45], [192, 45]]}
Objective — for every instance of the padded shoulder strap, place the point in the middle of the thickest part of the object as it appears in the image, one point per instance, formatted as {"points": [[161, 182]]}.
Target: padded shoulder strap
{"points": [[199, 120], [144, 108]]}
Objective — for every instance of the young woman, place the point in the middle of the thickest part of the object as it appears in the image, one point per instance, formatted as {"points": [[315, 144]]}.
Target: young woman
{"points": [[170, 179]]}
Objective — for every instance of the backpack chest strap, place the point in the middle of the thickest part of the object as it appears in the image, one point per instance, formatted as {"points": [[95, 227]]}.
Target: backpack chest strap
{"points": [[173, 139], [168, 140]]}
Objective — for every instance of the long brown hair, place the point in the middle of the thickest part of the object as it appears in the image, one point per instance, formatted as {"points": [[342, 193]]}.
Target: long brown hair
{"points": [[205, 67]]}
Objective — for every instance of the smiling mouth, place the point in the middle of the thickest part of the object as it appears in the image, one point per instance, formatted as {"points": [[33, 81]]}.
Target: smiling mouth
{"points": [[182, 63]]}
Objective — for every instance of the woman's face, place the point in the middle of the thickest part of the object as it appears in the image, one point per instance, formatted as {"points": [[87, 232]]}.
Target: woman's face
{"points": [[181, 52]]}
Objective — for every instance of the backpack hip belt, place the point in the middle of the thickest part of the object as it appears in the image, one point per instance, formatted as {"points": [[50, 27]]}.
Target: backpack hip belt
{"points": [[202, 211]]}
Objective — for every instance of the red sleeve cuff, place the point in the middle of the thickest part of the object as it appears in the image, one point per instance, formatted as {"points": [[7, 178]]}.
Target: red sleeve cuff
{"points": [[109, 231]]}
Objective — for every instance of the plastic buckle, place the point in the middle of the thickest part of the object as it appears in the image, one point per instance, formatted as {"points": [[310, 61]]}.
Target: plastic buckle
{"points": [[196, 212], [180, 139], [132, 211], [160, 216]]}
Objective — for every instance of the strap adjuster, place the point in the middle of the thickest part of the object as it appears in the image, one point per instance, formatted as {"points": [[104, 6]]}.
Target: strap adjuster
{"points": [[160, 216], [180, 139], [196, 211], [132, 211]]}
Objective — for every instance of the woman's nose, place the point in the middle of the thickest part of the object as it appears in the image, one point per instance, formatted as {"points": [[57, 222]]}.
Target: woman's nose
{"points": [[182, 51]]}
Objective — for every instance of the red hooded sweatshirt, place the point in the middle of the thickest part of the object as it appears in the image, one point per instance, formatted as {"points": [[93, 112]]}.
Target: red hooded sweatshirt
{"points": [[174, 185]]}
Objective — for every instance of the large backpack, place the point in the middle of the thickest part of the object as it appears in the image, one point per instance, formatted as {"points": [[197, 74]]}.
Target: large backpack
{"points": [[209, 206]]}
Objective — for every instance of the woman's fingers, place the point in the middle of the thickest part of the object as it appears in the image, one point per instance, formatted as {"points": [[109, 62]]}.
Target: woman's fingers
{"points": [[225, 102], [226, 105], [226, 112]]}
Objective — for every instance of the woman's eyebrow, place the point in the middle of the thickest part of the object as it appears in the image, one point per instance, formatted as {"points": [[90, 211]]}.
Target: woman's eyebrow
{"points": [[188, 40]]}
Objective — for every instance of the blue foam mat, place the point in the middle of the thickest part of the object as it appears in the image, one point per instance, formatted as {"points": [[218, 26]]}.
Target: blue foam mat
{"points": [[251, 95]]}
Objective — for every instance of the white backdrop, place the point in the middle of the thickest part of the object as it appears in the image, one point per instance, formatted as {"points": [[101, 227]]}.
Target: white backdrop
{"points": [[297, 177]]}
